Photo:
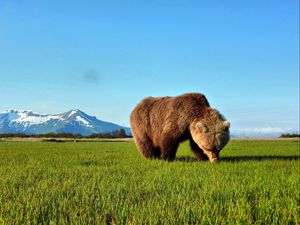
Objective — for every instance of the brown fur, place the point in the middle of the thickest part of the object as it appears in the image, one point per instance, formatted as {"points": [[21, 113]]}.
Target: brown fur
{"points": [[160, 124]]}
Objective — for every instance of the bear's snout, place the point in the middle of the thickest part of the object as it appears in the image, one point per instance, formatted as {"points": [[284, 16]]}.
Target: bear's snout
{"points": [[213, 156]]}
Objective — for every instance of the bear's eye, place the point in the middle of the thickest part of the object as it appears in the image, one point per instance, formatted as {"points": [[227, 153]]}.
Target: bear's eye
{"points": [[202, 127]]}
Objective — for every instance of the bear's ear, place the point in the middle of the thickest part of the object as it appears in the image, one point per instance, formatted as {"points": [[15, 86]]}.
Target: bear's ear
{"points": [[226, 124], [201, 127]]}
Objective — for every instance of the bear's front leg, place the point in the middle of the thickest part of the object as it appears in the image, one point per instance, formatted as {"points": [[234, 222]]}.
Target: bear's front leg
{"points": [[200, 155], [197, 151], [168, 148]]}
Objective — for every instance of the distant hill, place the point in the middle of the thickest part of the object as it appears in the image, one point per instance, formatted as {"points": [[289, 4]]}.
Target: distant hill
{"points": [[73, 121]]}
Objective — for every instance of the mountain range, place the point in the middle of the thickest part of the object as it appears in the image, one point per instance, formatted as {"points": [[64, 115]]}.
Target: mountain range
{"points": [[73, 121]]}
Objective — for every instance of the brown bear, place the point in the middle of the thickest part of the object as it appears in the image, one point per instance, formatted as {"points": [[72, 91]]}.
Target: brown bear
{"points": [[158, 126]]}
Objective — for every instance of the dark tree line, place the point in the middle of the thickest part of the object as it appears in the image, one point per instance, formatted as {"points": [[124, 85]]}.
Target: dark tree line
{"points": [[114, 134], [288, 135]]}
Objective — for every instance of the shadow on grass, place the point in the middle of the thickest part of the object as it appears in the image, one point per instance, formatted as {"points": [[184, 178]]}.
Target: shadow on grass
{"points": [[186, 159], [96, 163], [242, 158], [90, 163], [260, 158]]}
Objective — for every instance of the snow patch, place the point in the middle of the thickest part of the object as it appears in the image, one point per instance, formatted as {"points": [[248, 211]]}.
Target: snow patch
{"points": [[73, 112], [36, 119], [82, 120], [25, 117]]}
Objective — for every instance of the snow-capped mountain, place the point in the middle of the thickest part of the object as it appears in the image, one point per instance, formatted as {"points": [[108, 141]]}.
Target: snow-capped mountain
{"points": [[73, 121]]}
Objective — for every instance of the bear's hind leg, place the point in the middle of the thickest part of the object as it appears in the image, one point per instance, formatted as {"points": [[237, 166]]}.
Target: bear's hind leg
{"points": [[146, 148]]}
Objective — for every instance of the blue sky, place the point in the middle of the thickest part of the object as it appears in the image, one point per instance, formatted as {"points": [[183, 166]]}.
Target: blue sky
{"points": [[103, 57]]}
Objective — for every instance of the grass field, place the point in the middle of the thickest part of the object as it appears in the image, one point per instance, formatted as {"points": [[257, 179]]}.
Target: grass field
{"points": [[257, 182]]}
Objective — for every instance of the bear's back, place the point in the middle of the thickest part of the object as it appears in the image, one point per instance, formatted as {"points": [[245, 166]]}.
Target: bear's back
{"points": [[148, 109], [154, 115]]}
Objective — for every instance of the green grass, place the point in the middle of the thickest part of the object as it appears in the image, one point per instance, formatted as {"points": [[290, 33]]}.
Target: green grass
{"points": [[257, 182]]}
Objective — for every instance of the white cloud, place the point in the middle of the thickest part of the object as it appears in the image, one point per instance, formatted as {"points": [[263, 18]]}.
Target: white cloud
{"points": [[262, 132], [265, 130]]}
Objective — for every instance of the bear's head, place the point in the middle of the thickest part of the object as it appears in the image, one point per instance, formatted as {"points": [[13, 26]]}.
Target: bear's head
{"points": [[211, 133]]}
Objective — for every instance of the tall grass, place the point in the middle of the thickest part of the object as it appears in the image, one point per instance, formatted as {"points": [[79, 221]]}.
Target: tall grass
{"points": [[257, 182]]}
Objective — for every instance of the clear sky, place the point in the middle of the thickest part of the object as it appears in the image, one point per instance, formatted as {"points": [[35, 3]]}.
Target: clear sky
{"points": [[103, 57]]}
